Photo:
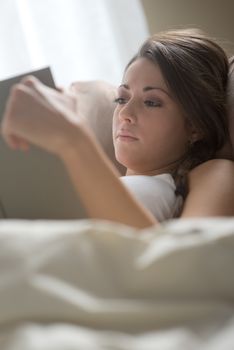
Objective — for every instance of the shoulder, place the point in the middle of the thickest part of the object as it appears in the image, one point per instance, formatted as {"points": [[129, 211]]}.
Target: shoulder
{"points": [[211, 189], [212, 170]]}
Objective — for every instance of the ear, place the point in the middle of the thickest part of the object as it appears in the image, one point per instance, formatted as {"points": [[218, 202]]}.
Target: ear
{"points": [[195, 135]]}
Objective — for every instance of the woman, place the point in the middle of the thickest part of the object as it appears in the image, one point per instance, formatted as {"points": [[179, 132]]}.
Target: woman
{"points": [[169, 121]]}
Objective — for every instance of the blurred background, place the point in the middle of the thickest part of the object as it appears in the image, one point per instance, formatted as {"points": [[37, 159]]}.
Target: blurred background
{"points": [[94, 39], [216, 17]]}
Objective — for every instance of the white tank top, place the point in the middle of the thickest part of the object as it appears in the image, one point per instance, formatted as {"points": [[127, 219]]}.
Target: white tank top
{"points": [[156, 193]]}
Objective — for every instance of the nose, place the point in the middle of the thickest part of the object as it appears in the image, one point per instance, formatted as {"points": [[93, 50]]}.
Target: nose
{"points": [[127, 112]]}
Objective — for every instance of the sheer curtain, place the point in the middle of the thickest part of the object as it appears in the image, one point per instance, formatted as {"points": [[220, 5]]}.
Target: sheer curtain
{"points": [[78, 39]]}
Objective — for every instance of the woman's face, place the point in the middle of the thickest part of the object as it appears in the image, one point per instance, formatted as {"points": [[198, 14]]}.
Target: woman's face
{"points": [[149, 129]]}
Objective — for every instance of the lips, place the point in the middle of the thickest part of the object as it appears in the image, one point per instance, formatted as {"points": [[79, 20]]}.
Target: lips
{"points": [[126, 136]]}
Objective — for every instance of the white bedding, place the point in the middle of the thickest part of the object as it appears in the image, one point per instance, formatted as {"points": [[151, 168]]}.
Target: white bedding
{"points": [[98, 285]]}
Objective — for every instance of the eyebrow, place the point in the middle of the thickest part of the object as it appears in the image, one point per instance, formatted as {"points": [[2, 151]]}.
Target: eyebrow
{"points": [[148, 88]]}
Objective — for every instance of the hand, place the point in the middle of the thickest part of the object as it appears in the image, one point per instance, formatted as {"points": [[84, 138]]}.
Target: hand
{"points": [[39, 115]]}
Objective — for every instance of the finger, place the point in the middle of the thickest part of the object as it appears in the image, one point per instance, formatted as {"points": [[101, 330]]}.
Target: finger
{"points": [[23, 145], [16, 143], [9, 136], [60, 89], [11, 141], [36, 87], [30, 80]]}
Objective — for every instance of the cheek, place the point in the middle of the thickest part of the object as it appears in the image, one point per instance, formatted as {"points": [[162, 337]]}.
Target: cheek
{"points": [[115, 127], [114, 124], [166, 135]]}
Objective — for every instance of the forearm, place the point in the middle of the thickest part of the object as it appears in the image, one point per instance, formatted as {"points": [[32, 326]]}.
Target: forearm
{"points": [[97, 182]]}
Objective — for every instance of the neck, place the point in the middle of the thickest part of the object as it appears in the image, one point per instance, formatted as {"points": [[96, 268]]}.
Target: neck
{"points": [[169, 168]]}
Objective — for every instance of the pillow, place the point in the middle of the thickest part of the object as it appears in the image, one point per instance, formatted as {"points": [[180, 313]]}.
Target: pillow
{"points": [[95, 104]]}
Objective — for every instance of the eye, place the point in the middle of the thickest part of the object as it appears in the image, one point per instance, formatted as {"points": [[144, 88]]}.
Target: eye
{"points": [[151, 103], [120, 100]]}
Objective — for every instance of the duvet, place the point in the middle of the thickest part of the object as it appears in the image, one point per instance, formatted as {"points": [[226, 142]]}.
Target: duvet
{"points": [[93, 284]]}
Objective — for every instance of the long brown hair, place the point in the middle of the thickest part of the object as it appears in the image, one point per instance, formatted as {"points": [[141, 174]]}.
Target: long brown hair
{"points": [[195, 69], [230, 101]]}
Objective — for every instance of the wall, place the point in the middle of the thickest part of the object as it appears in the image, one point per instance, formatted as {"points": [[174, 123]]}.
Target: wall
{"points": [[216, 17]]}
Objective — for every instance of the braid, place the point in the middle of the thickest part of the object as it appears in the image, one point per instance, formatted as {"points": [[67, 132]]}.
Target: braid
{"points": [[196, 154]]}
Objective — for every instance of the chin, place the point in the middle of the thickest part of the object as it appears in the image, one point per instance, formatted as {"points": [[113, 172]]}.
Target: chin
{"points": [[121, 158], [126, 162]]}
